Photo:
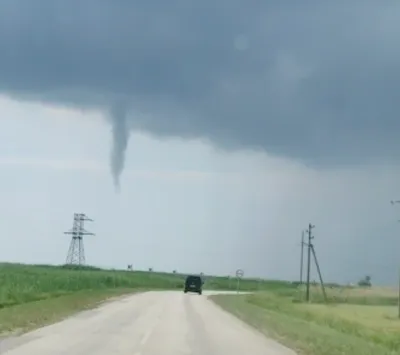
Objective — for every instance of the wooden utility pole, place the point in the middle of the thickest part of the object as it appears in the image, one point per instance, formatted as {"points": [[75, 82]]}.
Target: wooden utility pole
{"points": [[310, 237]]}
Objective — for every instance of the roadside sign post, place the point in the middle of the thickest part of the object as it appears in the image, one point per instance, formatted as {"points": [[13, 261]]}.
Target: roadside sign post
{"points": [[239, 275]]}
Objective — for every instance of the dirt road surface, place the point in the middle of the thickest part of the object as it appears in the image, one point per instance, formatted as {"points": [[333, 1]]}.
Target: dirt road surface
{"points": [[151, 323]]}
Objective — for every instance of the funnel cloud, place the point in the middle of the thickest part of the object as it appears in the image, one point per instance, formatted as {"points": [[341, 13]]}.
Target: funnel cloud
{"points": [[120, 138], [307, 81]]}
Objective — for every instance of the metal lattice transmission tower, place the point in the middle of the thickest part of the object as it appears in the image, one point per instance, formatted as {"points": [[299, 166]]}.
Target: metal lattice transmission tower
{"points": [[76, 251]]}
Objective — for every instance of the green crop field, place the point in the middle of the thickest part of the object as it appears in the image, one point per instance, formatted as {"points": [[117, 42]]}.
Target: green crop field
{"points": [[355, 321], [59, 290], [25, 283]]}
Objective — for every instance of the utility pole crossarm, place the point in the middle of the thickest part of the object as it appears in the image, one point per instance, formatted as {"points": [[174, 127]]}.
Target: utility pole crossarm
{"points": [[87, 219], [79, 233]]}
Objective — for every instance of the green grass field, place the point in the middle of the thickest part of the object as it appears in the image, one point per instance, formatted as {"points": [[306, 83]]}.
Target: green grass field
{"points": [[355, 321]]}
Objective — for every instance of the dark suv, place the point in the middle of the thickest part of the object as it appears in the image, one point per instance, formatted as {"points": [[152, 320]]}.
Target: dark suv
{"points": [[193, 284]]}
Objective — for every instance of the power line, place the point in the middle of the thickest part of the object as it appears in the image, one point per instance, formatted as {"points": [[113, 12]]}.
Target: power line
{"points": [[76, 251]]}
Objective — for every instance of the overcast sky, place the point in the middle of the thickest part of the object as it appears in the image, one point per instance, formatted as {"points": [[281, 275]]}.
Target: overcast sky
{"points": [[228, 126]]}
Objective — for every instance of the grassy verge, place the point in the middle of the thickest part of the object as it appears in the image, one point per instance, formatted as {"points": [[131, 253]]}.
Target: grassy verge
{"points": [[316, 329], [27, 316]]}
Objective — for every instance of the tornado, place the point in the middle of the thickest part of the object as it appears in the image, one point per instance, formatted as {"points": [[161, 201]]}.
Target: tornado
{"points": [[120, 138]]}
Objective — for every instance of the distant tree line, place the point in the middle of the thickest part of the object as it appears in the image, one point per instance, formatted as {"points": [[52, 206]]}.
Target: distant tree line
{"points": [[365, 282]]}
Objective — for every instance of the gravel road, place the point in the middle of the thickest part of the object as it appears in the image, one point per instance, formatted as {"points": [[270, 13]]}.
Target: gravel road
{"points": [[151, 323]]}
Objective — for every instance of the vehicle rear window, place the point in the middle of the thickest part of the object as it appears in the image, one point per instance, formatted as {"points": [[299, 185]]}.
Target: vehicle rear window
{"points": [[193, 279]]}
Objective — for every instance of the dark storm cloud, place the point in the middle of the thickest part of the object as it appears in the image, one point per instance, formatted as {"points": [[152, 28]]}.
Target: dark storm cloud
{"points": [[314, 80]]}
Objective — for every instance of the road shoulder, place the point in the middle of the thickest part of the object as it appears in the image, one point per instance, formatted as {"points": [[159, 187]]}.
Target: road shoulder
{"points": [[18, 319]]}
